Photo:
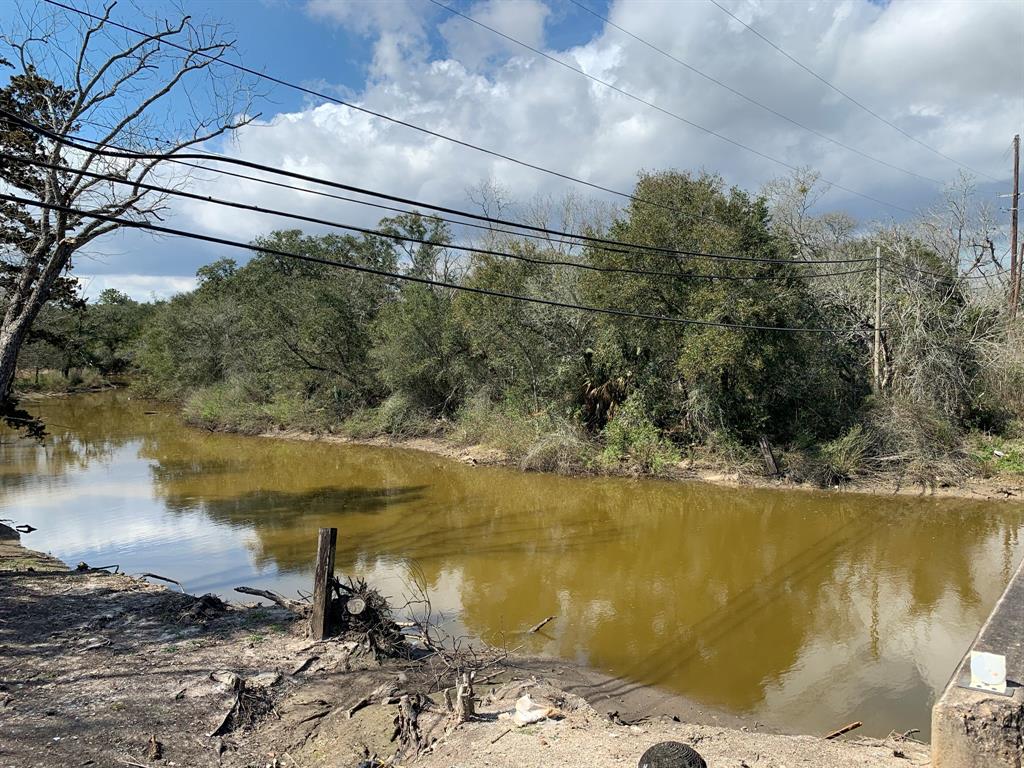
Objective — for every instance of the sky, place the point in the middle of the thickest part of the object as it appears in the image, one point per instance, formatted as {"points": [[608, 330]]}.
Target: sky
{"points": [[948, 72]]}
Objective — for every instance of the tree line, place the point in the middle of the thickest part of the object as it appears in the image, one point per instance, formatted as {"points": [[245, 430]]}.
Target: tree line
{"points": [[279, 343]]}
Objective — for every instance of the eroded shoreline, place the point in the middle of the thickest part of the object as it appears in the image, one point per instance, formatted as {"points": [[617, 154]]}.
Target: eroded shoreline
{"points": [[980, 489], [110, 669]]}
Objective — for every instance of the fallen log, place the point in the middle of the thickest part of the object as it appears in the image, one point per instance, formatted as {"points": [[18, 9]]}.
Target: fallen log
{"points": [[295, 606]]}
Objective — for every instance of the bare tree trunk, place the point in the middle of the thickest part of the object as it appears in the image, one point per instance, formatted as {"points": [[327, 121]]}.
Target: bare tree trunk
{"points": [[25, 304], [11, 340], [12, 337], [119, 84]]}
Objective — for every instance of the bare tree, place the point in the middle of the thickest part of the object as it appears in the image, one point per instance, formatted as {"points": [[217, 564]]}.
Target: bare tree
{"points": [[942, 285], [88, 81]]}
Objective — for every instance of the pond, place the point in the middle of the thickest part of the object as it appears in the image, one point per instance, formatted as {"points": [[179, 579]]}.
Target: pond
{"points": [[801, 610]]}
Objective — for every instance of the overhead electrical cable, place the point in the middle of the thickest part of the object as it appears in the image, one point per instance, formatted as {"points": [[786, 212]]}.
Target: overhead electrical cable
{"points": [[626, 246], [556, 238], [417, 240], [160, 229], [752, 100], [894, 268], [663, 110], [421, 129], [210, 156], [847, 96]]}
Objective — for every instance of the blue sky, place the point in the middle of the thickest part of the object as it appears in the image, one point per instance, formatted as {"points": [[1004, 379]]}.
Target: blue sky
{"points": [[944, 71]]}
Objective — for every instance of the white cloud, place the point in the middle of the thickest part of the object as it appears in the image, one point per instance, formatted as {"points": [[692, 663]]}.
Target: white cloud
{"points": [[935, 69], [139, 287], [398, 24], [473, 45]]}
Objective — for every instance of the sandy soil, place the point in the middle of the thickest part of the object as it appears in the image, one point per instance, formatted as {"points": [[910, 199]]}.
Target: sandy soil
{"points": [[584, 739], [987, 489], [101, 669]]}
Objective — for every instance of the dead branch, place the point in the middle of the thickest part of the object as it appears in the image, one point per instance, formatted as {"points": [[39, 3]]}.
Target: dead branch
{"points": [[386, 693], [296, 607], [844, 729], [465, 704], [162, 578], [539, 625]]}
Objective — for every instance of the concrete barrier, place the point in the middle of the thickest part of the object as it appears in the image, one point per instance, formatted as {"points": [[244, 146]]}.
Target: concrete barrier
{"points": [[974, 729]]}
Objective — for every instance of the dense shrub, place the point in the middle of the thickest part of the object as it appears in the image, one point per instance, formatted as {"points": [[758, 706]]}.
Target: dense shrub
{"points": [[278, 343]]}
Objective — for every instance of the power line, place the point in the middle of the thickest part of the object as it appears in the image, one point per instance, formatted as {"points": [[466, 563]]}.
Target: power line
{"points": [[411, 278], [177, 157], [544, 238], [752, 100], [383, 116], [847, 96], [410, 239], [628, 247], [652, 105], [939, 275]]}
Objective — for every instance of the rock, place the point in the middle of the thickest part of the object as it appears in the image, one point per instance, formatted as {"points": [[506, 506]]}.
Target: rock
{"points": [[264, 679], [971, 729], [228, 680]]}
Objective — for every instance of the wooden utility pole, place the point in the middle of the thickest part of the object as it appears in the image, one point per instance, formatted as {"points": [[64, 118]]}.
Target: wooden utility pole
{"points": [[876, 379], [320, 619], [1015, 260]]}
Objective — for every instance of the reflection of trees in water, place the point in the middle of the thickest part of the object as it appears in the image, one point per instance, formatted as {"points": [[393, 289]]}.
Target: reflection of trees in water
{"points": [[714, 591], [81, 431], [720, 602], [283, 491]]}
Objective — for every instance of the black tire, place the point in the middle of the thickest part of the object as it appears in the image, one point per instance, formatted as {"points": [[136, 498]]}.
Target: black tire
{"points": [[672, 754]]}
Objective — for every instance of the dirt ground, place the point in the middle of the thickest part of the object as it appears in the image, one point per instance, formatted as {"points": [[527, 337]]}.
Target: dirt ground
{"points": [[100, 669]]}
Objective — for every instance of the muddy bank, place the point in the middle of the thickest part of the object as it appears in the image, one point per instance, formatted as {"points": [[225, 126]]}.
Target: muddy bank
{"points": [[107, 669], [1006, 488]]}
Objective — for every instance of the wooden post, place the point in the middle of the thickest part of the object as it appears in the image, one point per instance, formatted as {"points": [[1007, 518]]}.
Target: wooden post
{"points": [[876, 365], [320, 620], [769, 458]]}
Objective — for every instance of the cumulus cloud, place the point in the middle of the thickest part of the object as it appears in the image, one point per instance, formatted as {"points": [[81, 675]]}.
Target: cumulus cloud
{"points": [[523, 21], [139, 287], [942, 71]]}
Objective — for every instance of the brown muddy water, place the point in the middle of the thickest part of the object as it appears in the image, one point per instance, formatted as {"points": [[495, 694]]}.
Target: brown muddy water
{"points": [[799, 610]]}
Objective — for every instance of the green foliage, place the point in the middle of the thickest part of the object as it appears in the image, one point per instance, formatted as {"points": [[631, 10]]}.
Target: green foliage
{"points": [[55, 382], [633, 439], [996, 455], [278, 343], [78, 345], [701, 378], [276, 324], [845, 457], [420, 349], [397, 416]]}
